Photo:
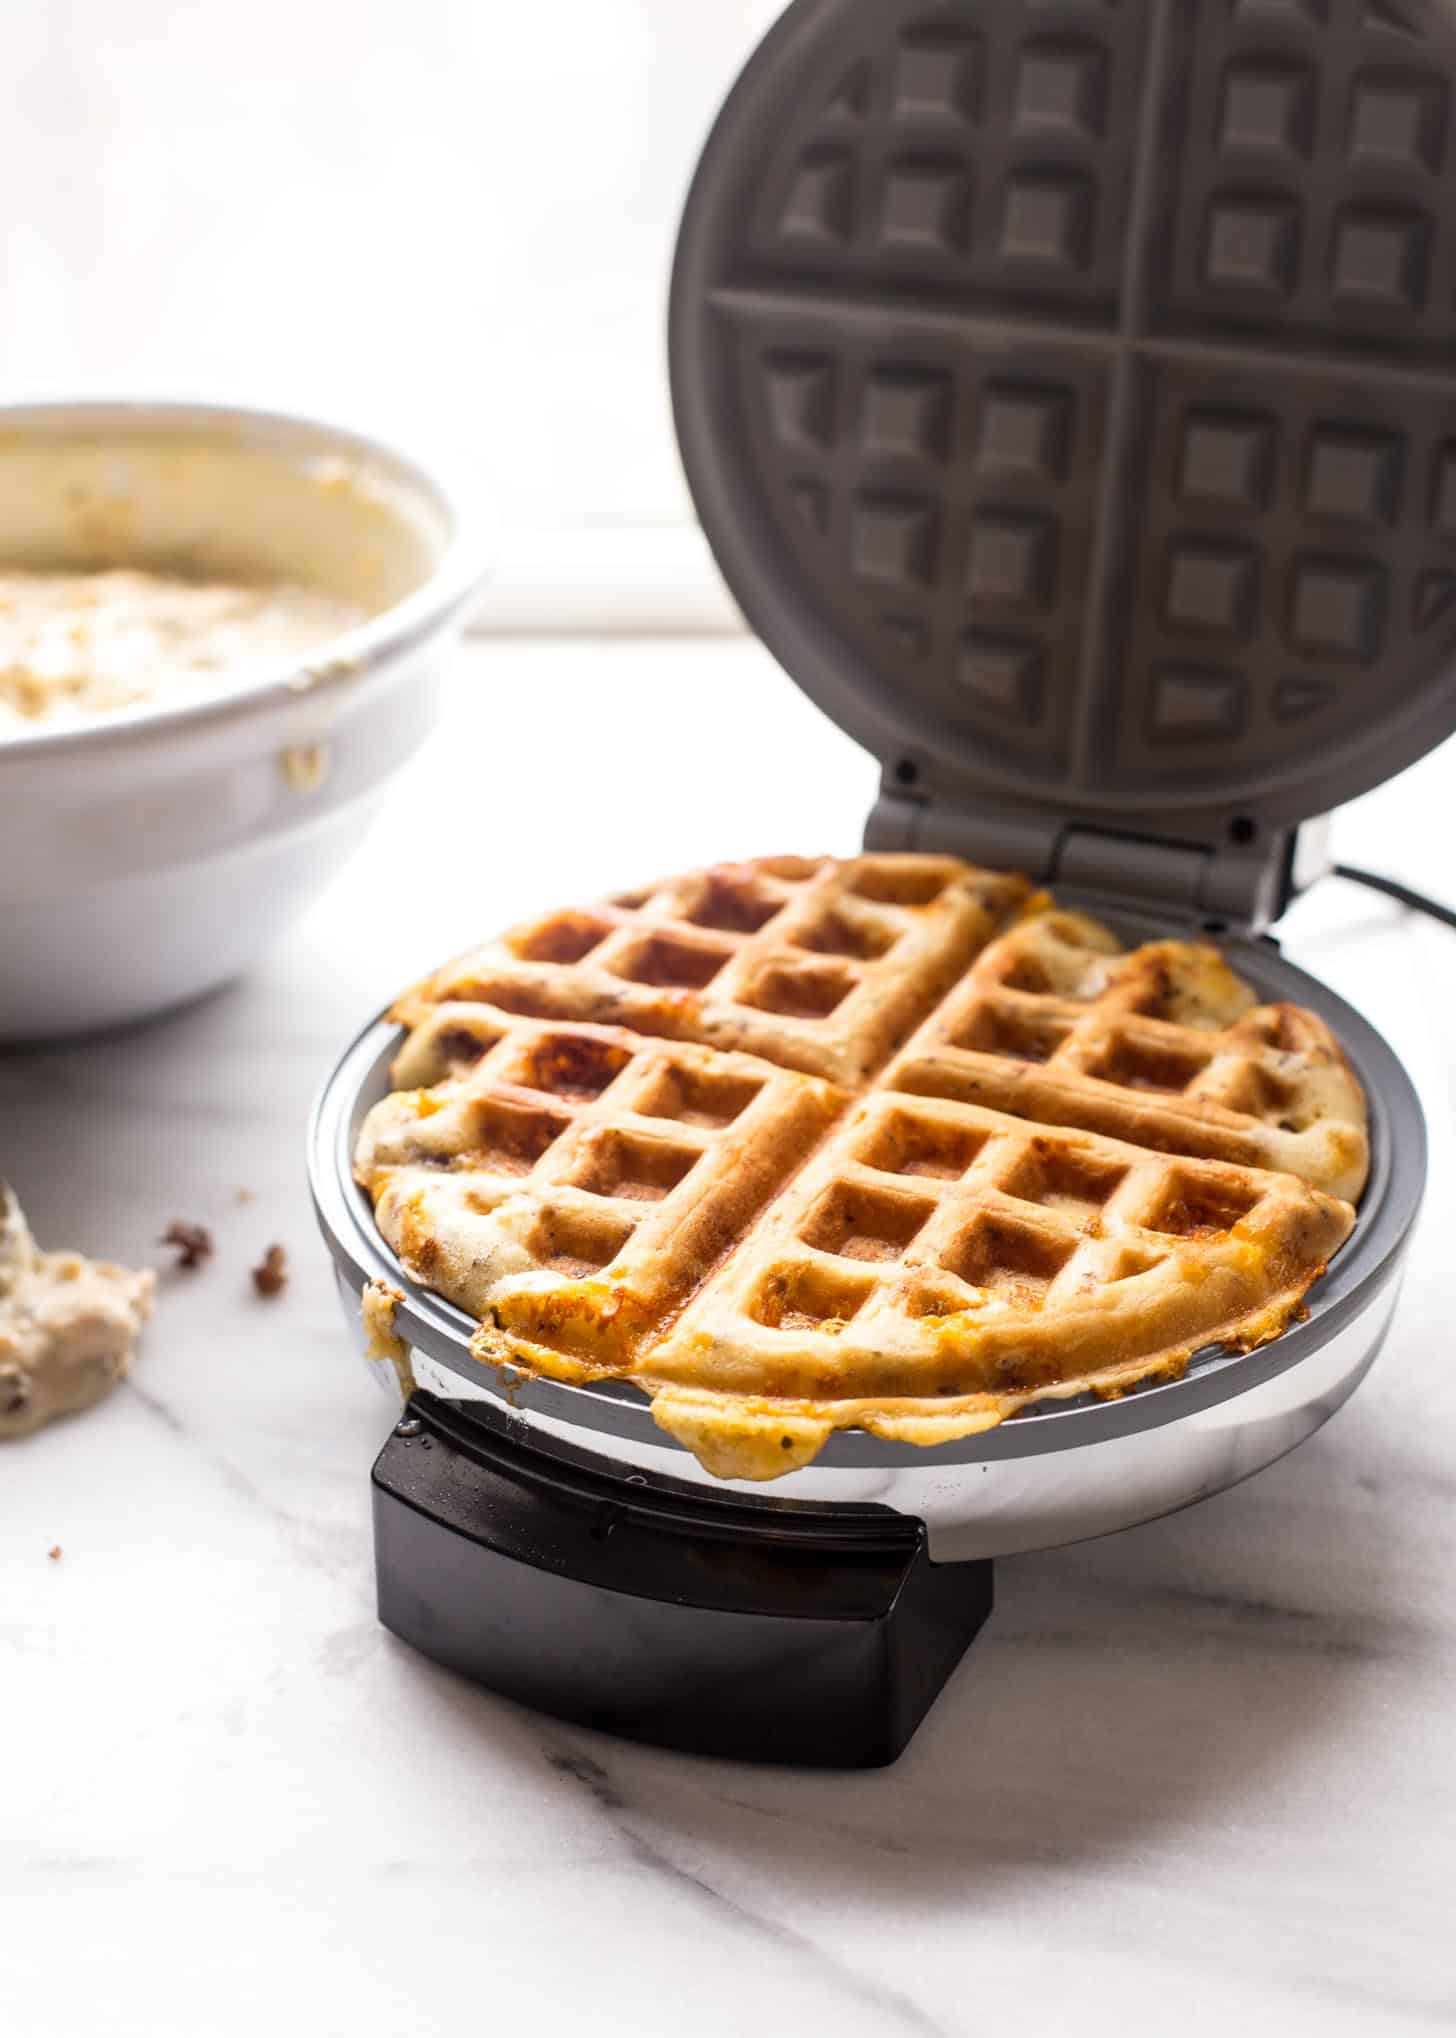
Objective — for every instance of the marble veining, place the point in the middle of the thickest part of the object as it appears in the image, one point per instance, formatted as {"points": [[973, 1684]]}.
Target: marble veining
{"points": [[1198, 1777]]}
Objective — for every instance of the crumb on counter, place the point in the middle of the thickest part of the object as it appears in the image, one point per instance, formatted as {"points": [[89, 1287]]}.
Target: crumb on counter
{"points": [[193, 1242], [270, 1276]]}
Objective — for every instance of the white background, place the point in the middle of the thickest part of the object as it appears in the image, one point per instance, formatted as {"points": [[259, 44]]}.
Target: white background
{"points": [[449, 221]]}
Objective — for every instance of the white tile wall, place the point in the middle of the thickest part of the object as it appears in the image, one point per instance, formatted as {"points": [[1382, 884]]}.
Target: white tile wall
{"points": [[450, 219]]}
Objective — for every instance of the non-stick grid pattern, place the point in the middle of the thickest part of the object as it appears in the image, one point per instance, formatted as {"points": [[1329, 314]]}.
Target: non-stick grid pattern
{"points": [[1069, 388]]}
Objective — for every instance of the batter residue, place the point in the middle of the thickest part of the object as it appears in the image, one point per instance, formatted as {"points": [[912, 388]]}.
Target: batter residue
{"points": [[68, 1326]]}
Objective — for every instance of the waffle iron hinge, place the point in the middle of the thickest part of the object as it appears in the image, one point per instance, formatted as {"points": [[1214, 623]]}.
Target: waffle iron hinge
{"points": [[1220, 878]]}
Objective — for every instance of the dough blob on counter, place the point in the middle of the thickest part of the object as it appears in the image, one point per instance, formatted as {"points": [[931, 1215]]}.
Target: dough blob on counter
{"points": [[77, 645], [68, 1326]]}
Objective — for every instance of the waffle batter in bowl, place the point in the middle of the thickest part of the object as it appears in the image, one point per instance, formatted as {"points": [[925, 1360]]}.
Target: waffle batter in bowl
{"points": [[221, 635], [887, 1144], [73, 645]]}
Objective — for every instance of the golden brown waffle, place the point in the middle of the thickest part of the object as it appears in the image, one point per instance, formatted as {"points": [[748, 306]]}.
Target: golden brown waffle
{"points": [[818, 965], [1084, 1165], [566, 1150], [1164, 1046]]}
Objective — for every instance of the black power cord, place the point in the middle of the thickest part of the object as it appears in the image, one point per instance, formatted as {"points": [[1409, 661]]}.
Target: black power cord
{"points": [[1394, 889]]}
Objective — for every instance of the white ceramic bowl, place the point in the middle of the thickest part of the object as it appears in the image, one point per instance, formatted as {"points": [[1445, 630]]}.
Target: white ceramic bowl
{"points": [[149, 855]]}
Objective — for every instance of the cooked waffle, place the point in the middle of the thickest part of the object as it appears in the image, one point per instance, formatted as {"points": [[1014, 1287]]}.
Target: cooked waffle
{"points": [[818, 965], [1164, 1046], [563, 1151], [802, 1145]]}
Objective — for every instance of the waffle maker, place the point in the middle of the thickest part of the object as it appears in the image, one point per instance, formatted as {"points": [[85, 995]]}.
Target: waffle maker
{"points": [[1066, 391]]}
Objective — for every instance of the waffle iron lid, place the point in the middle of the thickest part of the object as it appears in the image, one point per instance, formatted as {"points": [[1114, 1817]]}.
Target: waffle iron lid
{"points": [[1068, 390]]}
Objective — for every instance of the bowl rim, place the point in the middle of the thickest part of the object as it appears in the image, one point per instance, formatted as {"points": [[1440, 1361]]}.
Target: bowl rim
{"points": [[454, 580]]}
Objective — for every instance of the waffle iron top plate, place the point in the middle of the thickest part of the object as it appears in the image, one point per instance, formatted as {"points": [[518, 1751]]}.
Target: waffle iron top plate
{"points": [[1068, 391]]}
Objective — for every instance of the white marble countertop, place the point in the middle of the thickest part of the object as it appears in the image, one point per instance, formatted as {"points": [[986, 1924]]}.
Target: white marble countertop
{"points": [[1198, 1777]]}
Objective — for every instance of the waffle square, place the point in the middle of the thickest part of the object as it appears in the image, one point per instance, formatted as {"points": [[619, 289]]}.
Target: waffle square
{"points": [[816, 964], [1166, 1045], [891, 1143]]}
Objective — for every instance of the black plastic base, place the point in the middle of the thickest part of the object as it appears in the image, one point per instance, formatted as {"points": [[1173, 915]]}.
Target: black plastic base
{"points": [[766, 1630]]}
